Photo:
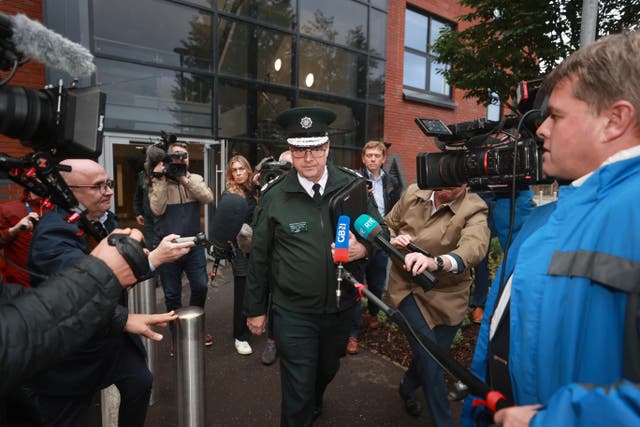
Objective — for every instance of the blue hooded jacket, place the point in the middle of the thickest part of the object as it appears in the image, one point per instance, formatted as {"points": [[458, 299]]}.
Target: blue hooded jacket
{"points": [[567, 314]]}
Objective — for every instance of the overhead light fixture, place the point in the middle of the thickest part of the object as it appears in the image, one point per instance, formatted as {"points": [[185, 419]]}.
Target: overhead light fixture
{"points": [[309, 80], [277, 65]]}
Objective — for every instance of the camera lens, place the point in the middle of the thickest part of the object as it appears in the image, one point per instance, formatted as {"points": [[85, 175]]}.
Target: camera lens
{"points": [[26, 114]]}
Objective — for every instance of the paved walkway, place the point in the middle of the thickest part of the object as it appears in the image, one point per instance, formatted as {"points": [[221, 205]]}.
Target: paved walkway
{"points": [[240, 391]]}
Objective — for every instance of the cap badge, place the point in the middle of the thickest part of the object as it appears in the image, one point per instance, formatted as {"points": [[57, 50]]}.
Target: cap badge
{"points": [[306, 122]]}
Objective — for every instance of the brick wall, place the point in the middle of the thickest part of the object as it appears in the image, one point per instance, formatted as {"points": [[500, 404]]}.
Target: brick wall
{"points": [[30, 75], [399, 128]]}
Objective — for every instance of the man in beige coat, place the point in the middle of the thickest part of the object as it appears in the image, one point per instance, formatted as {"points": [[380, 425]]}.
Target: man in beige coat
{"points": [[451, 224]]}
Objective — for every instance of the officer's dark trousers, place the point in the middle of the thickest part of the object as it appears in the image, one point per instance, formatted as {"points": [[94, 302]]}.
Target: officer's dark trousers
{"points": [[310, 347]]}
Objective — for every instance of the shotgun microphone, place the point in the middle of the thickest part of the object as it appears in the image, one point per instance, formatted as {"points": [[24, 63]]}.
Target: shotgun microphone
{"points": [[369, 229], [32, 39]]}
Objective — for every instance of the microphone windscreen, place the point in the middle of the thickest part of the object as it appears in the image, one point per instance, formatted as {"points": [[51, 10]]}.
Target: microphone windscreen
{"points": [[229, 217], [35, 41], [367, 227], [341, 251]]}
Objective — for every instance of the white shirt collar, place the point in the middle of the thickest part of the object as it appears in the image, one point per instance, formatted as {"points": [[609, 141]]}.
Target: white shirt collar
{"points": [[308, 185]]}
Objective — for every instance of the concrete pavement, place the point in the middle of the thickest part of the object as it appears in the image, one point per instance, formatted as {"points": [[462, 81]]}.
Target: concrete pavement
{"points": [[240, 391]]}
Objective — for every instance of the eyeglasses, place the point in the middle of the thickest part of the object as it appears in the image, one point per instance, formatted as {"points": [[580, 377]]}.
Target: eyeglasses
{"points": [[102, 186], [301, 152]]}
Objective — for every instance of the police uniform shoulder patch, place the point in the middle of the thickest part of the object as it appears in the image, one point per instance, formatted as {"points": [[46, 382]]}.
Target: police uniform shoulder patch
{"points": [[271, 183], [350, 171]]}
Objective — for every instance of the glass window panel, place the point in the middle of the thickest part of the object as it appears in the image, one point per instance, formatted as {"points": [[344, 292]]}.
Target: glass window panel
{"points": [[437, 82], [277, 12], [382, 4], [376, 80], [415, 31], [233, 111], [332, 69], [434, 33], [375, 123], [338, 21], [151, 99], [255, 52], [493, 109], [249, 112], [415, 70], [348, 128], [177, 35], [378, 34]]}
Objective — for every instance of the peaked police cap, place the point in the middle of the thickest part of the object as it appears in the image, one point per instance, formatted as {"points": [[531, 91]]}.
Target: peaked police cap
{"points": [[306, 126]]}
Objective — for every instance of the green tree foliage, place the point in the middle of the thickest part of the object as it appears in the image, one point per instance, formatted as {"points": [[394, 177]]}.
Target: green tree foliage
{"points": [[510, 41]]}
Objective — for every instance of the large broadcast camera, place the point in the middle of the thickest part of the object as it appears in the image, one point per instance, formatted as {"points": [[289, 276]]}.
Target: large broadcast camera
{"points": [[67, 122], [56, 122], [488, 155]]}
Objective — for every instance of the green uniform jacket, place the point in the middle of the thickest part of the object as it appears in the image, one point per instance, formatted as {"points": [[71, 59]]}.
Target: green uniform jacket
{"points": [[291, 248]]}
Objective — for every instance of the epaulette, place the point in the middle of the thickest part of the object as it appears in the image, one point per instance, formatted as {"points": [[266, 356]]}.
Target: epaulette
{"points": [[351, 171], [271, 183]]}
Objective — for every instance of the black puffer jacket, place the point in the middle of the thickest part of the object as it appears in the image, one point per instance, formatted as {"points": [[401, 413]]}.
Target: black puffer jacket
{"points": [[38, 327]]}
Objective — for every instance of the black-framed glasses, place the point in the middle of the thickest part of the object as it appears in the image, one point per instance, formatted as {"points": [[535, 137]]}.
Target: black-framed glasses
{"points": [[102, 186], [300, 152]]}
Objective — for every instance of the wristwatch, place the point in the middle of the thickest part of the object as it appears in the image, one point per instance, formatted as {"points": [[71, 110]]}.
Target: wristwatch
{"points": [[440, 263]]}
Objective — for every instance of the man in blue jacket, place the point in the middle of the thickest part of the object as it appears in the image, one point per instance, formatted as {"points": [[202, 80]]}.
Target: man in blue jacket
{"points": [[561, 338]]}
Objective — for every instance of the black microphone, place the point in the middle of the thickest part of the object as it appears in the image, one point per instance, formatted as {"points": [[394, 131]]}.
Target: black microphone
{"points": [[227, 222], [369, 229], [33, 40]]}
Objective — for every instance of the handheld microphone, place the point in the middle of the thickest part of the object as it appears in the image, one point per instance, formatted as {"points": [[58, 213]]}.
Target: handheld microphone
{"points": [[341, 252], [369, 229], [33, 40]]}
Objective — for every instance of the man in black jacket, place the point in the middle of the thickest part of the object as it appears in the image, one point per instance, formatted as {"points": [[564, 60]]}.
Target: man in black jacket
{"points": [[40, 326], [291, 256], [386, 190]]}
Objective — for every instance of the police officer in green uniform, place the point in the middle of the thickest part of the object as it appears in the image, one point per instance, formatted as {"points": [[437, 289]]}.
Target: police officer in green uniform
{"points": [[292, 237]]}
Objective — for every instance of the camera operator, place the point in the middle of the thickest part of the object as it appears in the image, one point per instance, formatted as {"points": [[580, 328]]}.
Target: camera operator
{"points": [[175, 196], [39, 327], [561, 336]]}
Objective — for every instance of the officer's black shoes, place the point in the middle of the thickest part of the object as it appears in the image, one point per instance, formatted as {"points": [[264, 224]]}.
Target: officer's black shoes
{"points": [[411, 404]]}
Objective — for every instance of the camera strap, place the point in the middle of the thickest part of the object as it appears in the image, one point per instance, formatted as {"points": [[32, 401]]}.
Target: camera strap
{"points": [[133, 252]]}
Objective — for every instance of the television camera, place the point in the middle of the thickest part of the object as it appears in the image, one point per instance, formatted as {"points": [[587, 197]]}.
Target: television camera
{"points": [[173, 165], [488, 155], [55, 122]]}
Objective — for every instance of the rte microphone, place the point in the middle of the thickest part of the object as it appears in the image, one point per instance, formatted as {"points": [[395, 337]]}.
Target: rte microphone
{"points": [[341, 252], [369, 229], [33, 40]]}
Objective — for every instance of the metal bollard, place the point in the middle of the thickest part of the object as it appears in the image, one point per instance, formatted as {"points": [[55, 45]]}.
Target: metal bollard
{"points": [[190, 366], [143, 296]]}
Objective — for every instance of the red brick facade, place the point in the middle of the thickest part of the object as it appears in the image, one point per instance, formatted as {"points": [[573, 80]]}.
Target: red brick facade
{"points": [[30, 75], [399, 127]]}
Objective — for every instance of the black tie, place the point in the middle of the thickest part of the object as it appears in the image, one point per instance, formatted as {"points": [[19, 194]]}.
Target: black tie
{"points": [[316, 193]]}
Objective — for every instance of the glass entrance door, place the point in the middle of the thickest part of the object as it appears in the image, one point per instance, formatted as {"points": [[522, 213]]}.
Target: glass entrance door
{"points": [[123, 157]]}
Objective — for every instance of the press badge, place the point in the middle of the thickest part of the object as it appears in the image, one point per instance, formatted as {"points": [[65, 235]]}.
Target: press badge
{"points": [[298, 227]]}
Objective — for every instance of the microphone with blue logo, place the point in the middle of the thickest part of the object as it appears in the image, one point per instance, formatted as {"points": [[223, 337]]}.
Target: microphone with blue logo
{"points": [[369, 229], [341, 252]]}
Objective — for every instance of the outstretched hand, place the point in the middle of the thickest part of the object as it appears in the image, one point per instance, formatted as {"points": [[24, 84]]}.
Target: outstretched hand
{"points": [[110, 255], [140, 324], [167, 251]]}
